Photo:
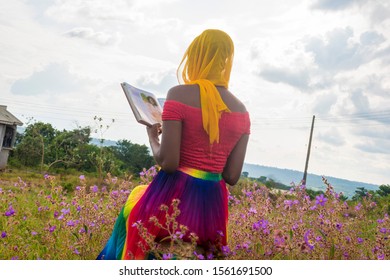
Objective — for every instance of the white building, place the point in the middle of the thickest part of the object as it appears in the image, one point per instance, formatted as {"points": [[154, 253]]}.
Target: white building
{"points": [[8, 124]]}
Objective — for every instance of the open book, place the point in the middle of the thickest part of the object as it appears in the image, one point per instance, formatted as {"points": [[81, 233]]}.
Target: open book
{"points": [[147, 108]]}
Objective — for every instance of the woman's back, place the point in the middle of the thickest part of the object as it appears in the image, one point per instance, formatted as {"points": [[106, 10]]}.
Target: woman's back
{"points": [[183, 104]]}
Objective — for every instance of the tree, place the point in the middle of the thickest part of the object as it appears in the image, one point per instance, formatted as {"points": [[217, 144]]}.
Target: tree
{"points": [[135, 157], [360, 192], [33, 146], [384, 190], [65, 147]]}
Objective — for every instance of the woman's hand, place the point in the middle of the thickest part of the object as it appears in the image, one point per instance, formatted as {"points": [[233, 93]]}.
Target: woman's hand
{"points": [[154, 132]]}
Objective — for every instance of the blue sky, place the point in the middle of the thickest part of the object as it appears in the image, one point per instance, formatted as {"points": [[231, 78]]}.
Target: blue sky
{"points": [[63, 61]]}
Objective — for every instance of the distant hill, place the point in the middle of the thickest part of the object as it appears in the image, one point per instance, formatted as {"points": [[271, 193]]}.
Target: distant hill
{"points": [[288, 176], [106, 143]]}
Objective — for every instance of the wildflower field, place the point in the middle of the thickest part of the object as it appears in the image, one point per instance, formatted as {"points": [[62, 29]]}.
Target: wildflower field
{"points": [[54, 218]]}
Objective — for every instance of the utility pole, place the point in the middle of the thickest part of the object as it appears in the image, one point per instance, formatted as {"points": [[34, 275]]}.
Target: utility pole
{"points": [[308, 152]]}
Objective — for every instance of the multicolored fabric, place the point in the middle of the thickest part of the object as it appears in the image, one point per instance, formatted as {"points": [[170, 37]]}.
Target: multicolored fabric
{"points": [[208, 63], [203, 209]]}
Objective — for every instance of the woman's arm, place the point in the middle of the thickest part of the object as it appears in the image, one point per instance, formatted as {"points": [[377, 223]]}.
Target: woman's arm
{"points": [[233, 167], [166, 153]]}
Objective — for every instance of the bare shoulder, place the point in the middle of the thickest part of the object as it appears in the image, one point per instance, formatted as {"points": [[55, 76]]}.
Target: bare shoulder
{"points": [[187, 94], [176, 92], [233, 102]]}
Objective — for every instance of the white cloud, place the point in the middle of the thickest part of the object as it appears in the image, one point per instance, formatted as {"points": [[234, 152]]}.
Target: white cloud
{"points": [[85, 11], [101, 38], [53, 79], [292, 60], [295, 78], [334, 4], [337, 51], [332, 136], [323, 103], [160, 82]]}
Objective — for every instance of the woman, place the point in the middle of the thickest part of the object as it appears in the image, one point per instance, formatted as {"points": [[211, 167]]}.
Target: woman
{"points": [[204, 137]]}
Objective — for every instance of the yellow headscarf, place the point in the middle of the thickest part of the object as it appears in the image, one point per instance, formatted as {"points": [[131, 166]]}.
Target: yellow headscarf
{"points": [[208, 63]]}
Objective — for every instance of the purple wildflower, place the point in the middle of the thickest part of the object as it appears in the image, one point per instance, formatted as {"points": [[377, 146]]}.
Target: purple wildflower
{"points": [[94, 189], [3, 234], [177, 235], [261, 224], [52, 228], [33, 233], [114, 194], [314, 207], [199, 256], [380, 221], [71, 223], [56, 214], [321, 199], [307, 239], [252, 210], [76, 251], [288, 204], [381, 257], [65, 211], [210, 256], [226, 250], [10, 211], [358, 207], [248, 194], [46, 176], [383, 230], [278, 240], [136, 223], [82, 177], [360, 240], [339, 226], [78, 188], [168, 256]]}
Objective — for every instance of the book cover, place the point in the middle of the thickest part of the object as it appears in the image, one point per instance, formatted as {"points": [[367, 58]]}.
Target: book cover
{"points": [[147, 108]]}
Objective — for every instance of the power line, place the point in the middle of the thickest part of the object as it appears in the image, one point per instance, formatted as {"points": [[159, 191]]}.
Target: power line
{"points": [[364, 119]]}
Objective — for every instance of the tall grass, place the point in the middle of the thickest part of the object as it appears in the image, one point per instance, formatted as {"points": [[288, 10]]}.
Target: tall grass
{"points": [[42, 219]]}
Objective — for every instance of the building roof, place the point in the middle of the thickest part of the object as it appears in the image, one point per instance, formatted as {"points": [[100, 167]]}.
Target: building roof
{"points": [[7, 118]]}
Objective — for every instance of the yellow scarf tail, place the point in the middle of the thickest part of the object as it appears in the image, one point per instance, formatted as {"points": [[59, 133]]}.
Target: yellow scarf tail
{"points": [[208, 62], [212, 108]]}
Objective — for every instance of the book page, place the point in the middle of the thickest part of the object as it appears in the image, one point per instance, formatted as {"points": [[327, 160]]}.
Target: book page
{"points": [[147, 105]]}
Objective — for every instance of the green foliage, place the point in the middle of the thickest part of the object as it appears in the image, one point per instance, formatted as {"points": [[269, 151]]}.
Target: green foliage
{"points": [[50, 150], [312, 193], [133, 156], [360, 193], [384, 190]]}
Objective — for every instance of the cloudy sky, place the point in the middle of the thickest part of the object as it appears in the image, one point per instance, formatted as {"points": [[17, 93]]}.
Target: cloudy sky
{"points": [[62, 62]]}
